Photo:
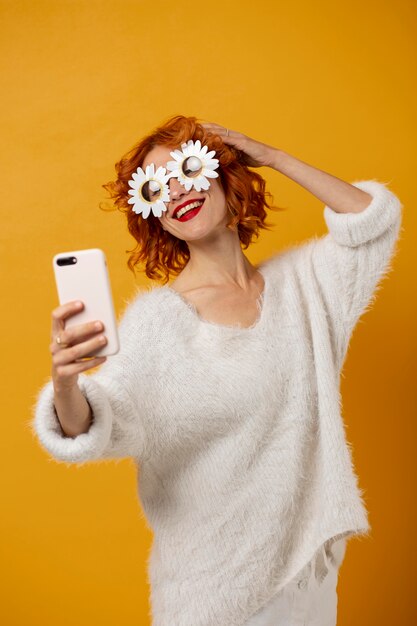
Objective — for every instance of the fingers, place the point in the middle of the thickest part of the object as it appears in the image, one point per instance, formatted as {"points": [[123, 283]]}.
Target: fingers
{"points": [[67, 363], [229, 137], [211, 126], [74, 335], [61, 313], [220, 130], [65, 374], [65, 356], [250, 152], [71, 356]]}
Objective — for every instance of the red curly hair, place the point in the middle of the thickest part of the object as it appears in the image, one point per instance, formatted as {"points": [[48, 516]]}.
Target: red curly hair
{"points": [[161, 252]]}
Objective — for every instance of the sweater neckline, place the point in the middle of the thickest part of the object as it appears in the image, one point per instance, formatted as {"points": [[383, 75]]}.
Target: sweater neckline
{"points": [[209, 325]]}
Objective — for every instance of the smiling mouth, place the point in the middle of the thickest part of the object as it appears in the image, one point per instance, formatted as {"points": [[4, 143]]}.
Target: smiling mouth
{"points": [[192, 206]]}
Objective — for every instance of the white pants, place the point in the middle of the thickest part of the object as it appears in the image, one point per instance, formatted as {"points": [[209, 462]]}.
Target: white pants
{"points": [[305, 601]]}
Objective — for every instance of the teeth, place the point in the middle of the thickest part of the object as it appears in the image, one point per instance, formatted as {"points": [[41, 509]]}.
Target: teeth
{"points": [[184, 209]]}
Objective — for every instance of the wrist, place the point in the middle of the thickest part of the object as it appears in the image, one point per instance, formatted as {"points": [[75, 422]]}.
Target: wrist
{"points": [[277, 158], [62, 391]]}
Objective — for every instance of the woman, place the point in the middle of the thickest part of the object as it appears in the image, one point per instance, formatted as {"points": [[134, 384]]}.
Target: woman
{"points": [[226, 387]]}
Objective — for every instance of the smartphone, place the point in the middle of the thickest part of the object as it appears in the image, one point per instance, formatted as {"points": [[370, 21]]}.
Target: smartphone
{"points": [[82, 275]]}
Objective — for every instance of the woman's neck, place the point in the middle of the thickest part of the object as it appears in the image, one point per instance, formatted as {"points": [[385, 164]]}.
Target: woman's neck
{"points": [[218, 262]]}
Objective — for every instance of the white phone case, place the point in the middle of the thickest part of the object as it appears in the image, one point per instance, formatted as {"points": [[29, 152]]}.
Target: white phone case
{"points": [[82, 275]]}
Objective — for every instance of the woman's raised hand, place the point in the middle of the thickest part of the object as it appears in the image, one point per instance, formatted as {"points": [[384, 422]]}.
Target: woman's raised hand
{"points": [[70, 345], [253, 153]]}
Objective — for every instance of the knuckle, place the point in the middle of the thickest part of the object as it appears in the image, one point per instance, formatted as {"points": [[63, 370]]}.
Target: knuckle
{"points": [[60, 371], [73, 353], [57, 358]]}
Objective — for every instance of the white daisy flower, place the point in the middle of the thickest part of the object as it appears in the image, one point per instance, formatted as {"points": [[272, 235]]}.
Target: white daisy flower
{"points": [[193, 165], [149, 191]]}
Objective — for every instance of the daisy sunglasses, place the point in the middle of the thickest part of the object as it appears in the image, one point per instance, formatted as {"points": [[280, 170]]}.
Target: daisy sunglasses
{"points": [[193, 165]]}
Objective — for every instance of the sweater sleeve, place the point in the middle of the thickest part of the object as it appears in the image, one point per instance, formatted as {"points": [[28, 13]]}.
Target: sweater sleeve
{"points": [[113, 393], [347, 264]]}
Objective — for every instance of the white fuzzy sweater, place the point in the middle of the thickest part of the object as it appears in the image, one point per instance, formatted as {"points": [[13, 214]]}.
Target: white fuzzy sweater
{"points": [[244, 470]]}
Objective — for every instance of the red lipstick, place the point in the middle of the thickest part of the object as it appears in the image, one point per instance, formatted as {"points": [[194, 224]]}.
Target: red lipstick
{"points": [[185, 204]]}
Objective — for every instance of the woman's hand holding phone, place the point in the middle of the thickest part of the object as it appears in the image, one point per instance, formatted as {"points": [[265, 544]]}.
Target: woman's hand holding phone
{"points": [[76, 343], [69, 348]]}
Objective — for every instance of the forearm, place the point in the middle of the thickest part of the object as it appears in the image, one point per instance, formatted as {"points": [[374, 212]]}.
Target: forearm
{"points": [[73, 412], [333, 192]]}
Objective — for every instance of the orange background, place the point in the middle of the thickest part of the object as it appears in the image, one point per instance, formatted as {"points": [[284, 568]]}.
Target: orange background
{"points": [[332, 83]]}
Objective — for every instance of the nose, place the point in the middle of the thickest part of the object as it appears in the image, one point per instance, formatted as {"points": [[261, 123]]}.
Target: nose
{"points": [[176, 190]]}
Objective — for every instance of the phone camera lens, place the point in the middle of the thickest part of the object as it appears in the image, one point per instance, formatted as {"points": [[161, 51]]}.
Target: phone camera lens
{"points": [[66, 260]]}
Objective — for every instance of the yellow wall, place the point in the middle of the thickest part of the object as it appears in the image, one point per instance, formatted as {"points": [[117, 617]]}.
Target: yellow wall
{"points": [[332, 83]]}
